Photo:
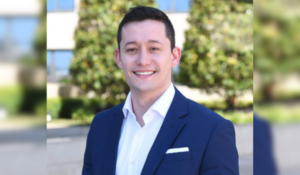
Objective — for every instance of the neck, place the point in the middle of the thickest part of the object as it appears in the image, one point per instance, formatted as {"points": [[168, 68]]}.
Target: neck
{"points": [[142, 101]]}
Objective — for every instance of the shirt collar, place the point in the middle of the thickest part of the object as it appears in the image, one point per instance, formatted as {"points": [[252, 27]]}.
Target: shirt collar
{"points": [[127, 106], [161, 105]]}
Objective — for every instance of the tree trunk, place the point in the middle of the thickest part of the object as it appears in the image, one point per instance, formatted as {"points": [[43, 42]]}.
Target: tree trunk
{"points": [[230, 102], [267, 92]]}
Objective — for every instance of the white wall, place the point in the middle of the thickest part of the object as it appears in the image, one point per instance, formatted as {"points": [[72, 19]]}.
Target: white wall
{"points": [[61, 27], [20, 7], [9, 74], [60, 30], [13, 74], [180, 25]]}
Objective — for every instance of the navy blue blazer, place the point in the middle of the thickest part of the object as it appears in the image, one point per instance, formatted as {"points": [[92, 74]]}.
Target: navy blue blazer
{"points": [[209, 137]]}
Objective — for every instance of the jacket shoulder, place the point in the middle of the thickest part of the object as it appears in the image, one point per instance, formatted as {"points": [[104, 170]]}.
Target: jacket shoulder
{"points": [[103, 116], [203, 113]]}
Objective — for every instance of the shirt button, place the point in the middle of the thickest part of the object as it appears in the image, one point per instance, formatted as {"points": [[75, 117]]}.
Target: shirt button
{"points": [[132, 162]]}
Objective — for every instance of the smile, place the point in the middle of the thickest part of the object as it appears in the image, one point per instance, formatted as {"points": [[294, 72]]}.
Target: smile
{"points": [[144, 73]]}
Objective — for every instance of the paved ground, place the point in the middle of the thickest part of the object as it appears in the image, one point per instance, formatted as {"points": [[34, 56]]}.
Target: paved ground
{"points": [[23, 152], [65, 155], [286, 141]]}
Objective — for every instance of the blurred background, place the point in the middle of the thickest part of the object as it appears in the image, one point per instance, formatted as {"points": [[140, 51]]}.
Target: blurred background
{"points": [[23, 87], [22, 61], [277, 86]]}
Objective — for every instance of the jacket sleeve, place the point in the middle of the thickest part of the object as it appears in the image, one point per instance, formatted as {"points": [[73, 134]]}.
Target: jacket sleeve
{"points": [[221, 156], [87, 161]]}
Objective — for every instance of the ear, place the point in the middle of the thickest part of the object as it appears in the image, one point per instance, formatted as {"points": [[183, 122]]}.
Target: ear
{"points": [[176, 56], [118, 58]]}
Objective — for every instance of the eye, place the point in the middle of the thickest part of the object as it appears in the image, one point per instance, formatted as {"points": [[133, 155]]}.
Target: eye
{"points": [[154, 49], [131, 50]]}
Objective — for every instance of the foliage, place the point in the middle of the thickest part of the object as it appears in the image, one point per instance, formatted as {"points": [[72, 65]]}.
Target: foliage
{"points": [[277, 36], [277, 43], [65, 80], [279, 112], [40, 42], [22, 99], [282, 95], [54, 107], [84, 109], [11, 98], [89, 108], [222, 105], [83, 115], [34, 100], [93, 66], [237, 117], [67, 108], [218, 51], [41, 109]]}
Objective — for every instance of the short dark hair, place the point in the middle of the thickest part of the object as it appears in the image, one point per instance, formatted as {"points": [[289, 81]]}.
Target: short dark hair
{"points": [[140, 13]]}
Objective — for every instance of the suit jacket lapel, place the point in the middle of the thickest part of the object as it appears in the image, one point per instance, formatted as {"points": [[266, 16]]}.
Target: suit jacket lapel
{"points": [[111, 148], [169, 130]]}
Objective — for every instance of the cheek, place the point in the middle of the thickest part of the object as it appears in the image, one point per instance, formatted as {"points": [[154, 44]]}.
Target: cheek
{"points": [[126, 66], [166, 62], [163, 59]]}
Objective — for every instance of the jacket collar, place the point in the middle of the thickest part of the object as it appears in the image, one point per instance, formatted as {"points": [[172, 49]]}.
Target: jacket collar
{"points": [[169, 130]]}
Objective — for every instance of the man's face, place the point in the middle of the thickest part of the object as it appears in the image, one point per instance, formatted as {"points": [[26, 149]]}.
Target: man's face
{"points": [[145, 56]]}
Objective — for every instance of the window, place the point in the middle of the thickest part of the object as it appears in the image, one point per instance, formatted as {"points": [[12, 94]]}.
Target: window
{"points": [[17, 34], [60, 5], [2, 28], [23, 31], [174, 5], [58, 63]]}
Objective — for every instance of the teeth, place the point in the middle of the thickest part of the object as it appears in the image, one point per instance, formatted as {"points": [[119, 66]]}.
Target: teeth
{"points": [[144, 73]]}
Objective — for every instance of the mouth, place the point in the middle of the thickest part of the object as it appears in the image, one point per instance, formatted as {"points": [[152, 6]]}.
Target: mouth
{"points": [[144, 73]]}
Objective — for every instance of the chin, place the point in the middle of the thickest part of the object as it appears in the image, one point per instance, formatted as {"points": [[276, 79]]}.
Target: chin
{"points": [[143, 88]]}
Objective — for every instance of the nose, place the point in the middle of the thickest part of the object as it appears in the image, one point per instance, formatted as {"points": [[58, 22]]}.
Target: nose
{"points": [[143, 57]]}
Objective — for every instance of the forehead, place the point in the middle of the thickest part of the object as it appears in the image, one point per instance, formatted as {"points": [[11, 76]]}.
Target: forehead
{"points": [[144, 30]]}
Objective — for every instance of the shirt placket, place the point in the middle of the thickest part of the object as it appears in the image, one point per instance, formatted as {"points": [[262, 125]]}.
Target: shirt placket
{"points": [[135, 148]]}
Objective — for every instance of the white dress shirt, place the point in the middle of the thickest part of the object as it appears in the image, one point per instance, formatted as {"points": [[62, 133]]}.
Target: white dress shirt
{"points": [[136, 141]]}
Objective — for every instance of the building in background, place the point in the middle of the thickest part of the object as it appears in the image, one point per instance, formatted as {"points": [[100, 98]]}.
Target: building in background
{"points": [[62, 19], [18, 24]]}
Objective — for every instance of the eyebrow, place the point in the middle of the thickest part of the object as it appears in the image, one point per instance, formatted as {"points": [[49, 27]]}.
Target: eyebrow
{"points": [[150, 41], [155, 41], [130, 42]]}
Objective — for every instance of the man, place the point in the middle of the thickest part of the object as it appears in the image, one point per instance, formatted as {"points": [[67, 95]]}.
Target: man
{"points": [[157, 130]]}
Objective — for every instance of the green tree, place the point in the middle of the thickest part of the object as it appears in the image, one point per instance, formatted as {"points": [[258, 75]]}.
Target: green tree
{"points": [[93, 66], [218, 51], [277, 46], [40, 42]]}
